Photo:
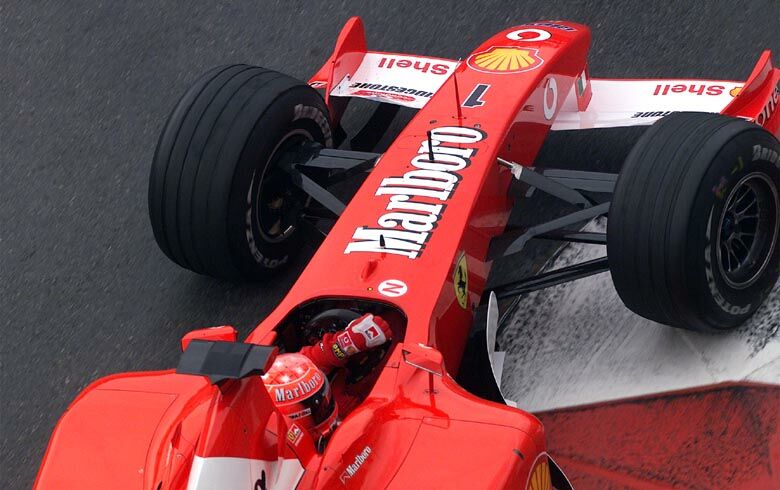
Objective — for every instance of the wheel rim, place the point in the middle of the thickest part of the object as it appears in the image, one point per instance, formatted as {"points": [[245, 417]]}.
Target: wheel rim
{"points": [[277, 204], [748, 230]]}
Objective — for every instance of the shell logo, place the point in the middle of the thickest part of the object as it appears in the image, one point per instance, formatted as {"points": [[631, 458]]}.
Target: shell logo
{"points": [[735, 91], [540, 476], [504, 59]]}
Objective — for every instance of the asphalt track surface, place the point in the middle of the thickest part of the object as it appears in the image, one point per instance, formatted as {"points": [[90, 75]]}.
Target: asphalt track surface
{"points": [[86, 86]]}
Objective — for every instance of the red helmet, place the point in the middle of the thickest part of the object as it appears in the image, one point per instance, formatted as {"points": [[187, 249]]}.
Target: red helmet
{"points": [[301, 391]]}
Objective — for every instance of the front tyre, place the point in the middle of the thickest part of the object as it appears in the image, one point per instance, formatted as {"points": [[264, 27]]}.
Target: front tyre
{"points": [[219, 203], [692, 235]]}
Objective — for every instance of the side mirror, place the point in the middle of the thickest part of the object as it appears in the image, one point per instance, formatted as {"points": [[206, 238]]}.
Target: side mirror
{"points": [[423, 357], [221, 361], [224, 333]]}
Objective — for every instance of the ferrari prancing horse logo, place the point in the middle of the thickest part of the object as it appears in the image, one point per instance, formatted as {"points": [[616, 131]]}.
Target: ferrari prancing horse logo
{"points": [[460, 280]]}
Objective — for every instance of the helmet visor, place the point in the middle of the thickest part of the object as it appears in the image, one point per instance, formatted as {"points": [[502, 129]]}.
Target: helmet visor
{"points": [[320, 405]]}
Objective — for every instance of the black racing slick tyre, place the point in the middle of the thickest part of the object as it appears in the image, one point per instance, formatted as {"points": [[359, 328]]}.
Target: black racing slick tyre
{"points": [[692, 235], [218, 202]]}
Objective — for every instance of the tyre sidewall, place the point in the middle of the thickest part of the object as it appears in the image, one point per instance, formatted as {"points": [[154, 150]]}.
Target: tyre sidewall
{"points": [[719, 304], [300, 108]]}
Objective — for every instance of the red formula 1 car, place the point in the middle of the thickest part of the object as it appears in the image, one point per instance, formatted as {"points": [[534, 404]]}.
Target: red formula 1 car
{"points": [[245, 174]]}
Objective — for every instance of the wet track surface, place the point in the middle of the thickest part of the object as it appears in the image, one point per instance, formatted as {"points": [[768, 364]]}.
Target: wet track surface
{"points": [[85, 292], [576, 344]]}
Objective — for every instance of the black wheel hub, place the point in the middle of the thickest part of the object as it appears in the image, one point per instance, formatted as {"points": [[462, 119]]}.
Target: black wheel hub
{"points": [[278, 203], [748, 230], [729, 224]]}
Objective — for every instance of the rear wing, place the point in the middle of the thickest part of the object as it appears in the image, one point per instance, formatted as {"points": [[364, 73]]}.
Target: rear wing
{"points": [[411, 80]]}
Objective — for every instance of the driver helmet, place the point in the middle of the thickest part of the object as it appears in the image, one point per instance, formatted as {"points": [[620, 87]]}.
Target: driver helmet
{"points": [[301, 391]]}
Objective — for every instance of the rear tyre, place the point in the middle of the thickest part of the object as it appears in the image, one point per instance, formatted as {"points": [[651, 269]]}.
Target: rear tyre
{"points": [[218, 202], [692, 235]]}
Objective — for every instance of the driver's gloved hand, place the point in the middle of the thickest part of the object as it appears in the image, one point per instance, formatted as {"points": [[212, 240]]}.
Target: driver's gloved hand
{"points": [[363, 333], [334, 349]]}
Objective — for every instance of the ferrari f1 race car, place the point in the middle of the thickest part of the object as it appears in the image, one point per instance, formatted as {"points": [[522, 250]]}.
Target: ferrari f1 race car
{"points": [[252, 165]]}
